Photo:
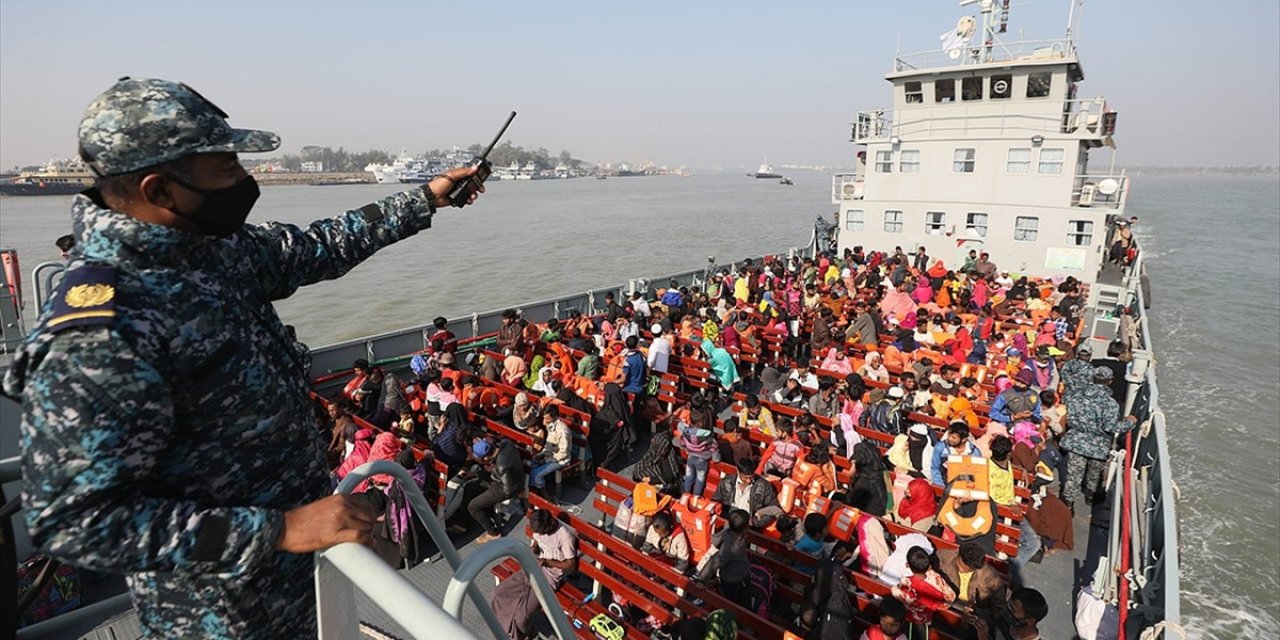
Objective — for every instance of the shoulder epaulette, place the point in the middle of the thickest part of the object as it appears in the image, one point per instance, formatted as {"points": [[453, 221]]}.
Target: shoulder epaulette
{"points": [[85, 297]]}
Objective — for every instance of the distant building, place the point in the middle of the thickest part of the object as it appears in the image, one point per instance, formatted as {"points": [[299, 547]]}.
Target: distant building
{"points": [[313, 167]]}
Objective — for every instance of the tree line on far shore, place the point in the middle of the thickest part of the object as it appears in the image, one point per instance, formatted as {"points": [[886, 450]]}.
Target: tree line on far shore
{"points": [[342, 161]]}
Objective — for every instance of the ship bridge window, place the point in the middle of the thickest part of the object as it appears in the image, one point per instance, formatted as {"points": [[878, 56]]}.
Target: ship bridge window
{"points": [[1051, 161], [1026, 228], [944, 90], [914, 91], [935, 222], [977, 223], [1019, 162], [892, 221], [853, 220], [1038, 84], [884, 162], [1080, 233], [964, 161], [1001, 86], [971, 88], [909, 161]]}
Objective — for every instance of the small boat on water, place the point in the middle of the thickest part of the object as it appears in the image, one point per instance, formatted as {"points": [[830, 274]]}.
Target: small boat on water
{"points": [[765, 171], [786, 182]]}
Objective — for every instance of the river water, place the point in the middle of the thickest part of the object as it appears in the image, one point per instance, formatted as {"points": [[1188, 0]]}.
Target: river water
{"points": [[1214, 258]]}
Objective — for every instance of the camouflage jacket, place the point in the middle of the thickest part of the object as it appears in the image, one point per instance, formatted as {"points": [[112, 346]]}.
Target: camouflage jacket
{"points": [[166, 424], [1076, 374], [1092, 418]]}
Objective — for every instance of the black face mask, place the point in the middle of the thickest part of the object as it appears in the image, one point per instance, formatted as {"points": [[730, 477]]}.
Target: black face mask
{"points": [[222, 211]]}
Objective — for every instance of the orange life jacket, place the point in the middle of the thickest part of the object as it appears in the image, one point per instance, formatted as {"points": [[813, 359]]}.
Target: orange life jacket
{"points": [[844, 522], [350, 390], [968, 479], [694, 514]]}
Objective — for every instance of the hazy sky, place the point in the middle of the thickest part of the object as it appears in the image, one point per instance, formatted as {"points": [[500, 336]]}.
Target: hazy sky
{"points": [[692, 83]]}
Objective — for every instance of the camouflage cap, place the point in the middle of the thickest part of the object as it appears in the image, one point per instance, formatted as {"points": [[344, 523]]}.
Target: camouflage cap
{"points": [[139, 123]]}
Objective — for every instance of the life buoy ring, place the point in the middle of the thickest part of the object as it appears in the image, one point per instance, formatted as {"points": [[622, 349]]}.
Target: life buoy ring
{"points": [[966, 502]]}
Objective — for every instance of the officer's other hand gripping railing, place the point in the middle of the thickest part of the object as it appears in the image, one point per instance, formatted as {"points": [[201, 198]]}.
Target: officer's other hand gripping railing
{"points": [[340, 568]]}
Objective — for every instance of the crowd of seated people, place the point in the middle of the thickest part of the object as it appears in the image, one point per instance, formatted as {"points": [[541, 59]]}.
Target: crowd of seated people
{"points": [[909, 402]]}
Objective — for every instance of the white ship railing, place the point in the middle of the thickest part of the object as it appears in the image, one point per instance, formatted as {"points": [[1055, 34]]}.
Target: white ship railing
{"points": [[1085, 119], [1150, 583], [343, 568], [1026, 50]]}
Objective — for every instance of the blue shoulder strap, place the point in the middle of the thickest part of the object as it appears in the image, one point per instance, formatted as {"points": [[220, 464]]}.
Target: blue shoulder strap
{"points": [[85, 297]]}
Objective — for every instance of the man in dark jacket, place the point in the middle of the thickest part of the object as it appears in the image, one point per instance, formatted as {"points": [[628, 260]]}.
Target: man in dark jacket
{"points": [[978, 585], [747, 491], [506, 480]]}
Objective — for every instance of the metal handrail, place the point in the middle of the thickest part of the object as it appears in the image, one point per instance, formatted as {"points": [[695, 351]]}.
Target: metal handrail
{"points": [[409, 605], [481, 558], [43, 286], [10, 469], [1063, 48]]}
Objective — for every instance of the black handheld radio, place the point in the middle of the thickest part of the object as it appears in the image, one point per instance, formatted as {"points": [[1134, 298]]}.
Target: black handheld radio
{"points": [[463, 191]]}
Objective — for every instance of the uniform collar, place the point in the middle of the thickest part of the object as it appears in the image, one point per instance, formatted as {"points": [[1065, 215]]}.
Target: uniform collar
{"points": [[104, 234]]}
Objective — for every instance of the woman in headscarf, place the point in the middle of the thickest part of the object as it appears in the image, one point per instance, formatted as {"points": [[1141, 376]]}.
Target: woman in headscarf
{"points": [[514, 370], [385, 447], [837, 361], [535, 368], [979, 292], [401, 525], [524, 413], [661, 465], [450, 445], [610, 430], [867, 487], [918, 508], [542, 384], [897, 303], [923, 292], [722, 364], [359, 453], [873, 368]]}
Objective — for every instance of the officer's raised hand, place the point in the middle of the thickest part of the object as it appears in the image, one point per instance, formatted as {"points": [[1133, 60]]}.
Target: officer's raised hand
{"points": [[327, 522]]}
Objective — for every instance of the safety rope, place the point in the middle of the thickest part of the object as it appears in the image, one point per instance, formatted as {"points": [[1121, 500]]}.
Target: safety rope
{"points": [[1160, 629]]}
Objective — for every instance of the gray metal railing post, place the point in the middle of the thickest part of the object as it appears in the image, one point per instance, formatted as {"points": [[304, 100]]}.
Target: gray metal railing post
{"points": [[411, 608], [434, 527], [465, 575]]}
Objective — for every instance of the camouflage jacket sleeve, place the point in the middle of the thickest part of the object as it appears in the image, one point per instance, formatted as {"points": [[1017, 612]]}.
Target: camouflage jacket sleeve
{"points": [[98, 420], [285, 256]]}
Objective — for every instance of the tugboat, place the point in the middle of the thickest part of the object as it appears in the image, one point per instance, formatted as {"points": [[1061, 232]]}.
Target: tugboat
{"points": [[765, 171]]}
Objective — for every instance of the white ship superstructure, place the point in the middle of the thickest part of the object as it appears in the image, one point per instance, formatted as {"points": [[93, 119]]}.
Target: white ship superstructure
{"points": [[987, 148]]}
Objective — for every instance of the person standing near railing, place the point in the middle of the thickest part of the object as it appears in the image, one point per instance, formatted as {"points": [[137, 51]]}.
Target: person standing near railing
{"points": [[167, 429]]}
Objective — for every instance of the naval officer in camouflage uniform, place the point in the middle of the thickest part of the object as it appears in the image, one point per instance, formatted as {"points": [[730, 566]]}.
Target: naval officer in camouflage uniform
{"points": [[167, 432], [1093, 419]]}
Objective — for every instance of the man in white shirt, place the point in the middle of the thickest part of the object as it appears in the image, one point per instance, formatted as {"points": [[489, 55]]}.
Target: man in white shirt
{"points": [[640, 306], [659, 349]]}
